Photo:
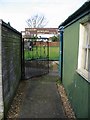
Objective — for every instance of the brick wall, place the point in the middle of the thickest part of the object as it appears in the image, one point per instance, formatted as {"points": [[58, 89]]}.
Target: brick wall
{"points": [[45, 43], [11, 62], [53, 43]]}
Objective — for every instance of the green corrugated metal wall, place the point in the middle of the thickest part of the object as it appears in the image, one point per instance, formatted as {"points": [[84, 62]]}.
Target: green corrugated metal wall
{"points": [[77, 88]]}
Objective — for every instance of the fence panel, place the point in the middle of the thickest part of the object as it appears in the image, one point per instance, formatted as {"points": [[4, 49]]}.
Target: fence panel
{"points": [[11, 62]]}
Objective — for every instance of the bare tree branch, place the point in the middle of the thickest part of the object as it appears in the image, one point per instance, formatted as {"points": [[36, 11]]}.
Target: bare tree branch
{"points": [[37, 21]]}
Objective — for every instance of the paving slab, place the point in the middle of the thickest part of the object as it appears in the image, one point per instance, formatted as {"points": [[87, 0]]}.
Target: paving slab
{"points": [[42, 99]]}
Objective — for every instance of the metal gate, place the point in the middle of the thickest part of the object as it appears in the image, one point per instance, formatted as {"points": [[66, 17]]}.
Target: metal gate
{"points": [[35, 56]]}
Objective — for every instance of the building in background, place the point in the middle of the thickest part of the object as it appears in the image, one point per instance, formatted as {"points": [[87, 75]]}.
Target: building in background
{"points": [[39, 32]]}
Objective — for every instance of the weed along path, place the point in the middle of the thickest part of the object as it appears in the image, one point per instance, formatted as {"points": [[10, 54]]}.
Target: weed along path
{"points": [[38, 98]]}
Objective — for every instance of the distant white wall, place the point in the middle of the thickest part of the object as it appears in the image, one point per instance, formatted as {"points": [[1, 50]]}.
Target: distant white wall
{"points": [[45, 35]]}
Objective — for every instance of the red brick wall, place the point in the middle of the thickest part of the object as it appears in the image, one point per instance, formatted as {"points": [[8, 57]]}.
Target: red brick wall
{"points": [[45, 43], [53, 43]]}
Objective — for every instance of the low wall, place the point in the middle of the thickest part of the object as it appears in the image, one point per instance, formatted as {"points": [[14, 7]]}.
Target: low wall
{"points": [[10, 63], [49, 43], [53, 43]]}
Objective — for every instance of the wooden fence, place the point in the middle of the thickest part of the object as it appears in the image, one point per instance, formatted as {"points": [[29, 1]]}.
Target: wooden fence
{"points": [[45, 43], [10, 65]]}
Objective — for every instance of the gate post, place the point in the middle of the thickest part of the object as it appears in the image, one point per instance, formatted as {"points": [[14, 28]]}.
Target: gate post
{"points": [[23, 60], [48, 53], [61, 30]]}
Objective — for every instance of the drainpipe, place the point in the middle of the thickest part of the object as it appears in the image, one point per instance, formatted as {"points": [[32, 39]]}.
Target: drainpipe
{"points": [[61, 30]]}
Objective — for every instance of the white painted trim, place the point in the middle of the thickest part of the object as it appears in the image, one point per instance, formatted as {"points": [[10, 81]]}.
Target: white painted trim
{"points": [[80, 45], [81, 55], [85, 74]]}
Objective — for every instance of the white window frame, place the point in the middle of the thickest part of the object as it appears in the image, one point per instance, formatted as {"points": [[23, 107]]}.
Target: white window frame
{"points": [[84, 51]]}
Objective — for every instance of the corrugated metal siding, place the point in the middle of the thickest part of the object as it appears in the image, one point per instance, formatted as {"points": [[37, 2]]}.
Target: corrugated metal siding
{"points": [[77, 87]]}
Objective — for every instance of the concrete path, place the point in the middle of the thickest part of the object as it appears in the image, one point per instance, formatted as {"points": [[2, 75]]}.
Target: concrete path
{"points": [[42, 99]]}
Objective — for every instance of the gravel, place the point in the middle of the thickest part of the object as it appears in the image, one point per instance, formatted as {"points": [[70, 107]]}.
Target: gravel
{"points": [[18, 100], [66, 104]]}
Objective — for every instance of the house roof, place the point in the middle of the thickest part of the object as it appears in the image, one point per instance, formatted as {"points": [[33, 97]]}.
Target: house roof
{"points": [[82, 11], [42, 30]]}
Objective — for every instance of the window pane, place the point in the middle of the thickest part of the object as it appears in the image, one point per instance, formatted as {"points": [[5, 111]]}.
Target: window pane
{"points": [[83, 61], [89, 48], [86, 60], [85, 36], [89, 34], [84, 50], [89, 60], [86, 44]]}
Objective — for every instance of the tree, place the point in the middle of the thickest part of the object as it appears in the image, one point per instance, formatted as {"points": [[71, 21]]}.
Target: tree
{"points": [[55, 38], [37, 21]]}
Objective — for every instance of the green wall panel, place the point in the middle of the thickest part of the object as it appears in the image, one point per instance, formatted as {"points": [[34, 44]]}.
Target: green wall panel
{"points": [[77, 88]]}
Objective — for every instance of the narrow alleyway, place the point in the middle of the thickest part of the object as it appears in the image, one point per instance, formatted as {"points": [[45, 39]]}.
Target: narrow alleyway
{"points": [[39, 98], [42, 99]]}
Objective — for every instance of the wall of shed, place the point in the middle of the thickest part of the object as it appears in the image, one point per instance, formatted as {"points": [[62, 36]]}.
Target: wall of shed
{"points": [[11, 63], [77, 87]]}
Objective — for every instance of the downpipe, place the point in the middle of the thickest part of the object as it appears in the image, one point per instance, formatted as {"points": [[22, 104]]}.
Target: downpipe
{"points": [[61, 31]]}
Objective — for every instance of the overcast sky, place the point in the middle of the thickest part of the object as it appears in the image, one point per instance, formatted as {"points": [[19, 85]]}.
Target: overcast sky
{"points": [[56, 11]]}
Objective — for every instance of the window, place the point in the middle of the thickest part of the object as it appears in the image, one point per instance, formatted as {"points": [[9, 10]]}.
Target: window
{"points": [[84, 51]]}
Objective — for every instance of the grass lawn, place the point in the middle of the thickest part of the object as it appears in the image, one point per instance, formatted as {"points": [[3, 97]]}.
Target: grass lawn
{"points": [[41, 52], [53, 53]]}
